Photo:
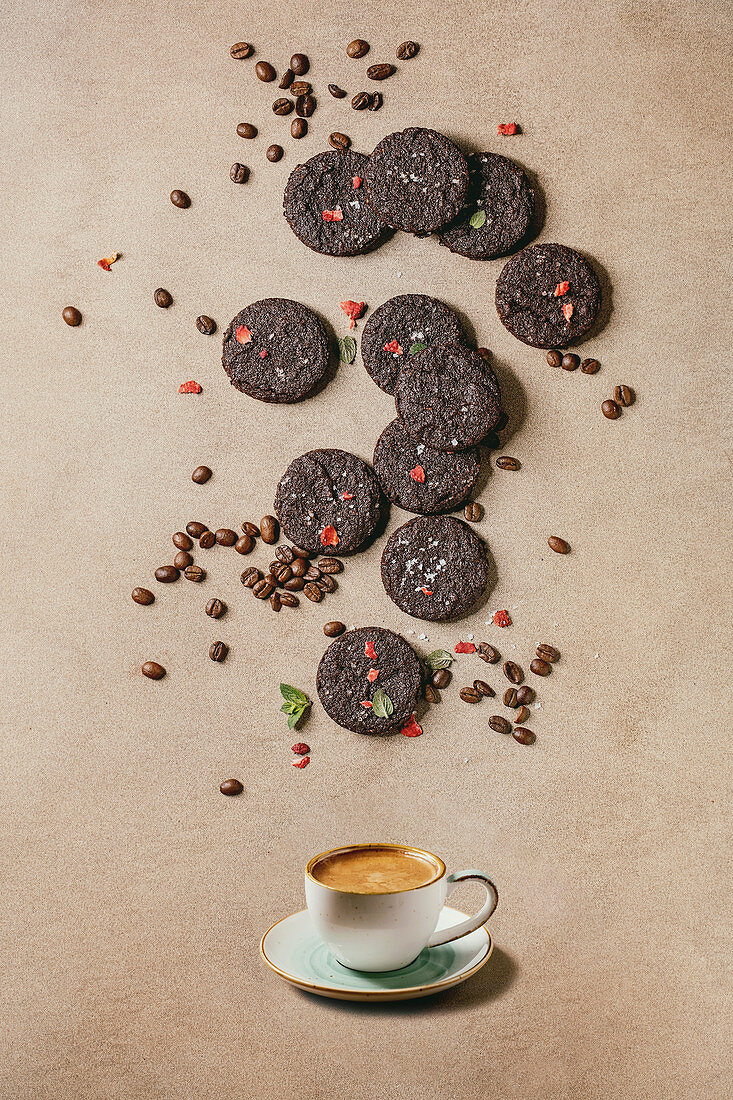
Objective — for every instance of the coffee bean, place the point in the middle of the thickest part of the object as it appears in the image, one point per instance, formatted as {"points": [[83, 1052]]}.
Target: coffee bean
{"points": [[300, 64], [283, 573], [570, 361], [200, 475], [376, 102], [262, 589], [298, 128], [504, 462], [282, 106], [548, 653], [431, 694], [194, 573], [441, 678], [215, 608], [250, 577], [300, 88], [313, 592], [153, 670], [622, 395], [271, 579], [312, 574], [470, 695], [285, 555], [265, 71], [295, 584], [286, 79], [244, 544], [305, 105], [473, 511], [523, 735], [483, 689], [181, 541], [225, 536], [380, 72], [247, 130], [238, 173], [406, 51], [327, 583], [590, 366], [240, 50], [302, 553], [560, 546], [361, 101], [334, 629], [513, 672], [166, 574], [196, 529], [525, 695], [251, 529], [510, 698], [274, 153], [339, 141], [218, 651], [610, 410], [162, 298], [207, 540], [206, 325], [287, 599], [358, 48], [336, 92], [522, 715], [299, 567], [499, 724], [231, 787], [540, 667], [554, 358], [143, 596], [182, 559], [487, 653], [269, 530], [330, 565], [180, 199], [275, 601]]}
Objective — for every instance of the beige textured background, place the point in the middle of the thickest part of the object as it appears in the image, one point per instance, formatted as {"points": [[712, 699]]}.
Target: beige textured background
{"points": [[134, 895]]}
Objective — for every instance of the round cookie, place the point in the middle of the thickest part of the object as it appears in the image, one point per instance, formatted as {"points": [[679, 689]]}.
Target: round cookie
{"points": [[501, 190], [325, 205], [448, 397], [343, 682], [397, 326], [532, 301], [275, 350], [328, 500], [435, 568], [417, 180], [419, 478]]}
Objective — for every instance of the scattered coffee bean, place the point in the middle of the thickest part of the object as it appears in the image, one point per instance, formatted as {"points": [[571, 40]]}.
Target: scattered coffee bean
{"points": [[305, 105], [358, 48], [205, 324], [283, 573], [200, 475], [407, 51], [275, 601], [376, 102], [262, 590], [239, 51], [299, 567], [218, 651], [522, 714], [298, 128], [143, 596], [162, 298], [570, 361], [244, 544], [361, 101], [71, 315], [302, 553], [540, 667], [282, 106], [196, 529], [274, 153], [336, 92], [265, 71], [180, 199], [181, 541], [238, 173], [339, 141], [622, 395], [313, 592], [473, 512], [312, 574], [166, 574], [153, 670], [207, 540], [247, 130], [499, 724], [182, 559], [231, 787], [548, 653], [194, 573], [510, 698], [215, 608], [300, 88], [225, 536], [326, 583], [295, 584], [285, 554], [513, 672], [610, 410], [334, 629], [487, 653], [441, 678], [431, 695], [483, 689], [300, 64], [554, 358], [287, 599], [470, 695], [560, 546], [504, 462], [250, 577], [380, 72], [269, 530], [271, 579], [286, 79], [525, 695], [330, 565], [251, 529], [590, 366], [523, 735]]}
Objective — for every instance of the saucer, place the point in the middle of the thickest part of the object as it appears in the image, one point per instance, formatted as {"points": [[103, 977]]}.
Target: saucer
{"points": [[293, 950]]}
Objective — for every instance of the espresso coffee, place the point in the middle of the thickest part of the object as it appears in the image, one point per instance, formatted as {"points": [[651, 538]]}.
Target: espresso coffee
{"points": [[375, 870]]}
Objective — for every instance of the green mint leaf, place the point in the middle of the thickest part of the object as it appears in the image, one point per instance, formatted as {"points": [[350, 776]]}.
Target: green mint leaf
{"points": [[478, 219], [416, 347], [347, 349], [439, 658], [293, 695], [382, 705], [294, 719]]}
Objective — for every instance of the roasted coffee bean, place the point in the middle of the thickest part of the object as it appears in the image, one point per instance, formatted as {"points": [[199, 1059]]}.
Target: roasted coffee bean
{"points": [[71, 315], [299, 88], [548, 653], [312, 574], [244, 544], [207, 540], [358, 48], [238, 173], [470, 695], [143, 596], [570, 361], [200, 475], [251, 529], [225, 536], [163, 298], [262, 590], [275, 601], [181, 541], [166, 574], [431, 694], [487, 653], [194, 573], [299, 567], [622, 395], [441, 678], [302, 553], [269, 530], [196, 529], [540, 667], [182, 559], [274, 153], [282, 106], [330, 565], [334, 629], [336, 92], [376, 102], [274, 566], [483, 689], [180, 199], [610, 410], [523, 735], [285, 554], [590, 366], [215, 608], [511, 698], [286, 79], [283, 573], [305, 105], [300, 64], [339, 141], [327, 583], [205, 324], [525, 695], [287, 599], [560, 546], [554, 358], [295, 584], [271, 579], [298, 128], [247, 130], [522, 714], [265, 71], [240, 50], [313, 592], [250, 577], [380, 72], [406, 51], [473, 511], [504, 462], [231, 787], [499, 724], [361, 101], [153, 670], [513, 672], [218, 651]]}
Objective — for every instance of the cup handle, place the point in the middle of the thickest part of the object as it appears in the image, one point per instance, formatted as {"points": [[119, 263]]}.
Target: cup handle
{"points": [[465, 926]]}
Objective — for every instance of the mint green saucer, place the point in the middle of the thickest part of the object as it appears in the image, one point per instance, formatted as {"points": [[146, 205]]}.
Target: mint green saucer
{"points": [[293, 950]]}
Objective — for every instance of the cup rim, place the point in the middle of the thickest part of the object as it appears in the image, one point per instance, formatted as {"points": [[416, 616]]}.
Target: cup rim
{"points": [[430, 856]]}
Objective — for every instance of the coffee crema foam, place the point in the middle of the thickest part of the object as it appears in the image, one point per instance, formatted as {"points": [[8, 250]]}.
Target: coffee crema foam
{"points": [[375, 871]]}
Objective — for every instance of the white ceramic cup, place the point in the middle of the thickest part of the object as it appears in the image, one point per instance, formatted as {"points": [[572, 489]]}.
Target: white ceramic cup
{"points": [[376, 932]]}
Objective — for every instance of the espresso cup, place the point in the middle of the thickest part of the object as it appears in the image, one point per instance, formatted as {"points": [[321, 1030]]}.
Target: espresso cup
{"points": [[376, 906]]}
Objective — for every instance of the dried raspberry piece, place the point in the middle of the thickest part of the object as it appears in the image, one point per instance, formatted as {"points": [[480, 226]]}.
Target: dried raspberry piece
{"points": [[347, 496], [372, 675], [189, 387], [353, 310], [366, 703], [369, 651], [263, 353], [329, 537], [242, 334], [356, 181], [567, 310], [417, 474], [394, 347], [501, 618], [302, 763], [506, 129], [301, 748], [336, 215], [561, 288], [411, 728], [465, 647], [427, 591], [107, 262]]}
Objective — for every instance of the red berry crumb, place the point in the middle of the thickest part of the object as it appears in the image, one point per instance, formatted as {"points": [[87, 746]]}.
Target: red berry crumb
{"points": [[372, 675], [567, 310], [418, 474], [242, 334], [501, 618], [301, 749], [369, 651], [302, 763], [393, 346], [189, 387], [561, 288], [506, 129], [329, 537], [333, 215], [411, 727], [465, 647], [353, 310]]}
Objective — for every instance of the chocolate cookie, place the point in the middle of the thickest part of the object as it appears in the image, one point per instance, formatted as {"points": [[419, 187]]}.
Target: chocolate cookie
{"points": [[419, 478], [417, 180], [401, 327], [325, 205], [448, 397], [499, 192], [344, 683], [275, 350], [548, 296], [435, 568], [328, 499]]}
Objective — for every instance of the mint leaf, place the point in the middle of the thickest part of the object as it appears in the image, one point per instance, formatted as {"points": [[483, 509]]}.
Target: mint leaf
{"points": [[382, 705], [416, 347], [439, 658], [295, 718], [478, 219], [293, 695], [347, 349]]}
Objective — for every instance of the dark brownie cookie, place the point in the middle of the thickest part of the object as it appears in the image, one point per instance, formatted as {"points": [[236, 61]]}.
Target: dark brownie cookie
{"points": [[448, 397], [548, 296], [344, 684], [328, 499], [401, 323], [500, 190], [275, 350], [417, 180], [435, 568], [419, 478], [325, 205]]}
